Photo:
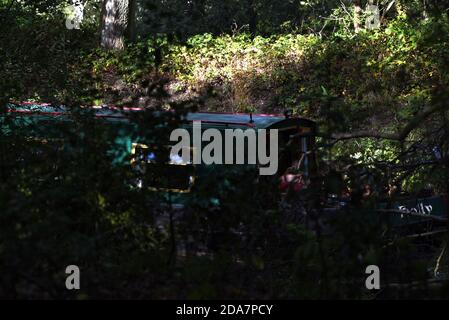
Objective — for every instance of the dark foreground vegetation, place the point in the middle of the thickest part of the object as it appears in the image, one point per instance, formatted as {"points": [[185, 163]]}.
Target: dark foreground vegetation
{"points": [[378, 95]]}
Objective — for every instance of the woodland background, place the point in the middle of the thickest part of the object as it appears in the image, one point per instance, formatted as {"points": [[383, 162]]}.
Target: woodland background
{"points": [[379, 97]]}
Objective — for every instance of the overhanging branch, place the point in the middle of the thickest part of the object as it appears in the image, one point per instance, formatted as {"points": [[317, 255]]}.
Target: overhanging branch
{"points": [[398, 136]]}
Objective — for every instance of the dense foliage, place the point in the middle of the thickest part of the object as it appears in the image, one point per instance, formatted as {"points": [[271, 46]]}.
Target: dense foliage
{"points": [[59, 206]]}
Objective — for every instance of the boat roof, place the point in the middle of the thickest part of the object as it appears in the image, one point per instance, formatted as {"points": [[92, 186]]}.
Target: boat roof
{"points": [[258, 121], [237, 119]]}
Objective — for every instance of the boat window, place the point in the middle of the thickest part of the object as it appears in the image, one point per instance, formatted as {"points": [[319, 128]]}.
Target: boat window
{"points": [[172, 175], [295, 151]]}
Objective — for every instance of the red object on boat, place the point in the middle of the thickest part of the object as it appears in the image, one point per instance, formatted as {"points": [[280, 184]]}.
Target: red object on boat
{"points": [[291, 181]]}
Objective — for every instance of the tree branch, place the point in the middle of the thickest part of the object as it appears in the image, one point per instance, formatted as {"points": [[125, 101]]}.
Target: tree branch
{"points": [[398, 136]]}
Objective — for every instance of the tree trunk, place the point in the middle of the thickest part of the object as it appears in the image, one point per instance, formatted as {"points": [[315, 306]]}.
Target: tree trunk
{"points": [[251, 12], [131, 30], [117, 22], [425, 13], [357, 16]]}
